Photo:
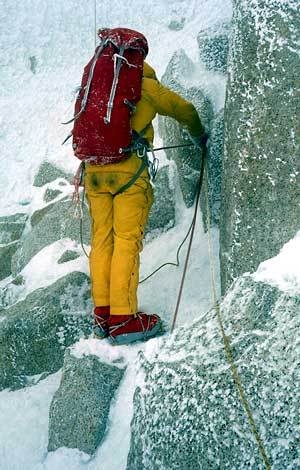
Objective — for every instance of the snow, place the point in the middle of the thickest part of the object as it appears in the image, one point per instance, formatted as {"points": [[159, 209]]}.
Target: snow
{"points": [[283, 271]]}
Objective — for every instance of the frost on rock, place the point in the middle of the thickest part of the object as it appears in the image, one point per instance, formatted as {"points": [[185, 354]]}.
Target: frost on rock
{"points": [[213, 46], [260, 189], [80, 407], [162, 213], [214, 167], [187, 160], [35, 331], [11, 229], [48, 173], [187, 412]]}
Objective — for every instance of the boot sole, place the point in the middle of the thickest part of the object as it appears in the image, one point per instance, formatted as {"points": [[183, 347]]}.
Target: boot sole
{"points": [[129, 338]]}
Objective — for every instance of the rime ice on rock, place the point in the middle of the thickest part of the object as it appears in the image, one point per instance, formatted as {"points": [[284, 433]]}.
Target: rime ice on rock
{"points": [[11, 228], [188, 160], [213, 46], [162, 213], [187, 412], [261, 184]]}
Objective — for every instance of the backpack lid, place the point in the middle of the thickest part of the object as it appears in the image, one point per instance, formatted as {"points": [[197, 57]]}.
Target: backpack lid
{"points": [[128, 38]]}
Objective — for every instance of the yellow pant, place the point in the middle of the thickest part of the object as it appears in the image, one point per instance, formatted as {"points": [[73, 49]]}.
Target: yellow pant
{"points": [[118, 224]]}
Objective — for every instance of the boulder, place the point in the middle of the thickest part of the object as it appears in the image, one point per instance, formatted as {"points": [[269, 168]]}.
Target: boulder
{"points": [[260, 208], [35, 332], [162, 213], [187, 411], [80, 407], [51, 194], [188, 159], [68, 255], [48, 173], [213, 46], [51, 224]]}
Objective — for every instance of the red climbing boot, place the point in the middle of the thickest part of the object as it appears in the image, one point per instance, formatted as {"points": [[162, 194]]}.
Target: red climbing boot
{"points": [[101, 316], [125, 329]]}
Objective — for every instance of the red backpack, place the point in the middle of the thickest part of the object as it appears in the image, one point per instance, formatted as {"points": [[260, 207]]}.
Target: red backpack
{"points": [[110, 88]]}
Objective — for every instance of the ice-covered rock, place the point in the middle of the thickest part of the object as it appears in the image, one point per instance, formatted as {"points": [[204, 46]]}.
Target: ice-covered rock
{"points": [[50, 224], [187, 412], [35, 332], [48, 173], [261, 179], [214, 166], [162, 213], [213, 46], [80, 407], [177, 78]]}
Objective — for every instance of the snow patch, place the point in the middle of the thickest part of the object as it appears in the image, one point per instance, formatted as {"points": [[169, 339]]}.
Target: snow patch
{"points": [[282, 271]]}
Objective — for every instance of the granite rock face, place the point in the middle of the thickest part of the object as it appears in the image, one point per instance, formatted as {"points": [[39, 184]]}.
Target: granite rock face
{"points": [[162, 213], [187, 412], [261, 173], [35, 332], [11, 229], [80, 407], [48, 173], [53, 223], [213, 46], [187, 160]]}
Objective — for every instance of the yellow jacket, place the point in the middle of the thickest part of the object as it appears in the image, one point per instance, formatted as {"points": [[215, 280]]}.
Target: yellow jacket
{"points": [[156, 99]]}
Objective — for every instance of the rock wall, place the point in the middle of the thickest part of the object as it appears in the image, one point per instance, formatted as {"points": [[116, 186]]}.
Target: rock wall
{"points": [[260, 190], [187, 412]]}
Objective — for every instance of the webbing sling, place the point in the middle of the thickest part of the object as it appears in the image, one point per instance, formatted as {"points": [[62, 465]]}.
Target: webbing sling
{"points": [[144, 164]]}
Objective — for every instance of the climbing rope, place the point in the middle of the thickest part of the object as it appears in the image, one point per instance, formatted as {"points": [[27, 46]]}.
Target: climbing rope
{"points": [[226, 341], [190, 241], [76, 199]]}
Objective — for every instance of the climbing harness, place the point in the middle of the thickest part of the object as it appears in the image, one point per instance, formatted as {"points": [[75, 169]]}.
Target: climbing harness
{"points": [[152, 166]]}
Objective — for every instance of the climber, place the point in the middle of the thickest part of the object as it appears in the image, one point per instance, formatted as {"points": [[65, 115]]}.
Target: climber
{"points": [[120, 196]]}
